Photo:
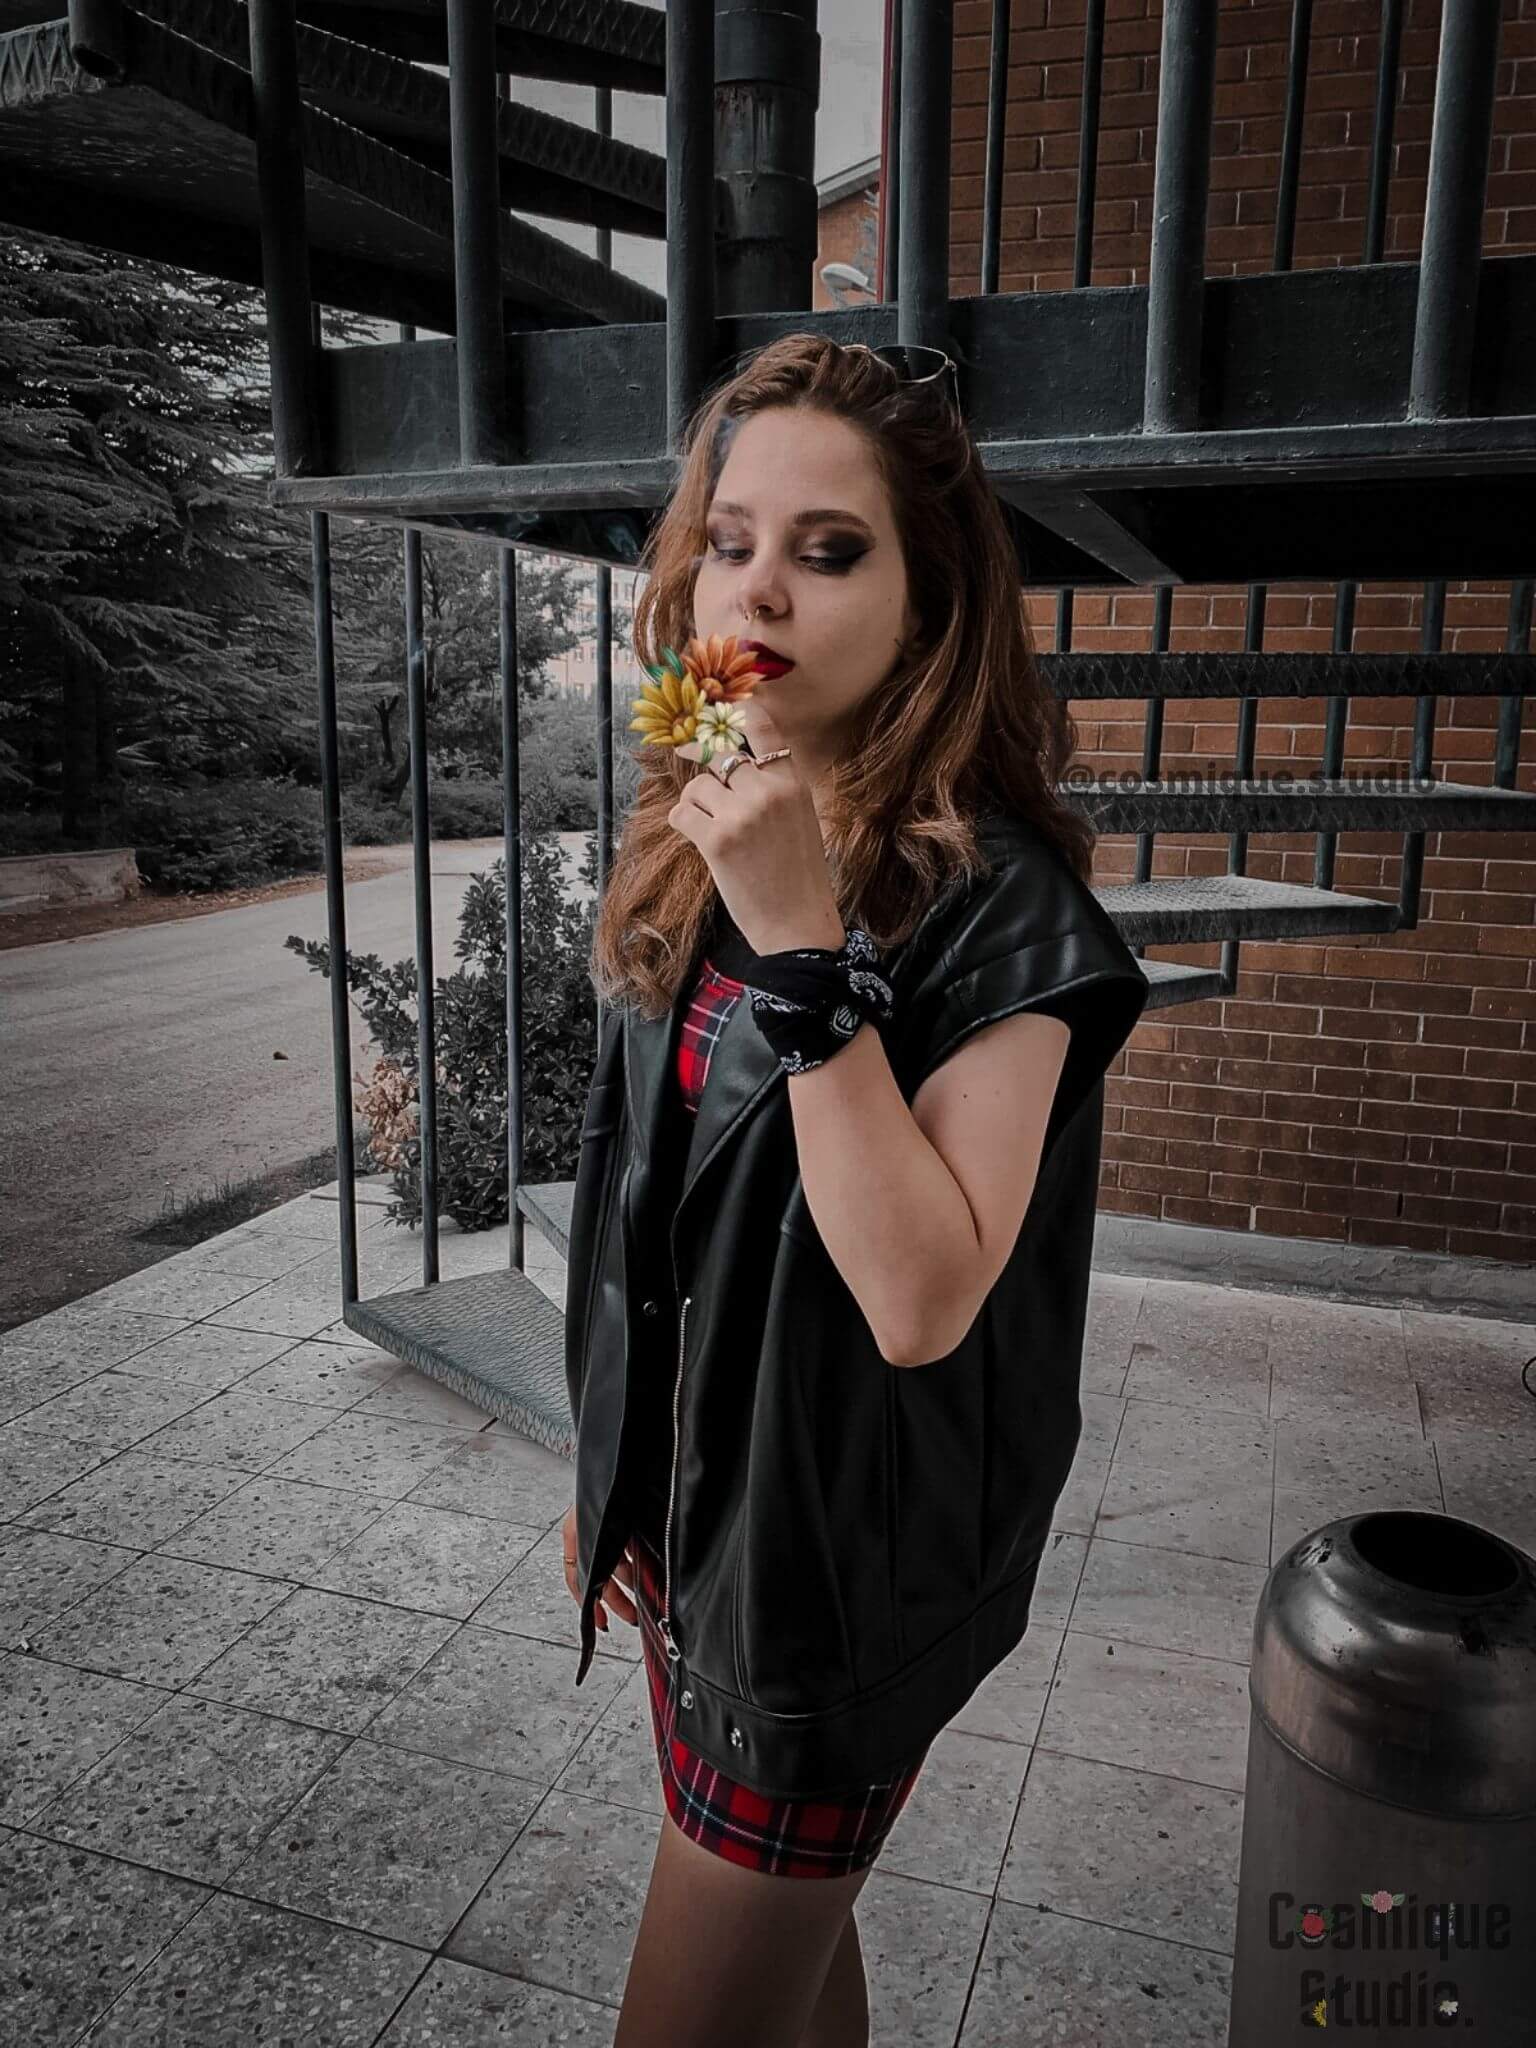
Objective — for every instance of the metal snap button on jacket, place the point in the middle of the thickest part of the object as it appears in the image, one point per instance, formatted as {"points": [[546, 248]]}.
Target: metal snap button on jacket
{"points": [[850, 1545]]}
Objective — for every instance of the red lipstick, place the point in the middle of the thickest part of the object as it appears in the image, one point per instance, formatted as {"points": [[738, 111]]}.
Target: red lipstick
{"points": [[768, 662]]}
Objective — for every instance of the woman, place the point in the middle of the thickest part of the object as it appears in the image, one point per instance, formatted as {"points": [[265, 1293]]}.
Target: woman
{"points": [[824, 1505]]}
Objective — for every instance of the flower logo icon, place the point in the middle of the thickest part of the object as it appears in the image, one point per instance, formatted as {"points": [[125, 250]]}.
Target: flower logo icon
{"points": [[1314, 1923], [1381, 1902]]}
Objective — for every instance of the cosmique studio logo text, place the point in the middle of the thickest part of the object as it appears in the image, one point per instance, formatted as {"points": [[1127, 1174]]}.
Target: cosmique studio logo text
{"points": [[1385, 1923]]}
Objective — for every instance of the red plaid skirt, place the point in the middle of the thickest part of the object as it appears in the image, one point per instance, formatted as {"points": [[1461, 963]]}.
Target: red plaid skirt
{"points": [[784, 1837]]}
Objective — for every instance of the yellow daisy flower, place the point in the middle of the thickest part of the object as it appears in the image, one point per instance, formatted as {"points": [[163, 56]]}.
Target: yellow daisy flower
{"points": [[667, 710], [684, 686]]}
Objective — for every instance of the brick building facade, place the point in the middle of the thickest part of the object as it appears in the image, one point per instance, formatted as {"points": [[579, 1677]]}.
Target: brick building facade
{"points": [[1381, 1093]]}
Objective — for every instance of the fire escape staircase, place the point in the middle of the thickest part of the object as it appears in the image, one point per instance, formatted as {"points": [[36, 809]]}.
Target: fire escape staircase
{"points": [[1132, 443]]}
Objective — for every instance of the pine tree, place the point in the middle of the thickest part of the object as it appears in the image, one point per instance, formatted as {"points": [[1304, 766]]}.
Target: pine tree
{"points": [[154, 603], [155, 607]]}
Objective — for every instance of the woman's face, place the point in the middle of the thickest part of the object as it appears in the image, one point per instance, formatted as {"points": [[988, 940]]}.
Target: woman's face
{"points": [[801, 536]]}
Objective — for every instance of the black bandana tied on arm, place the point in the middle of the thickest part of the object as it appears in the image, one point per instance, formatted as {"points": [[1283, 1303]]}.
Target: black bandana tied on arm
{"points": [[811, 1001]]}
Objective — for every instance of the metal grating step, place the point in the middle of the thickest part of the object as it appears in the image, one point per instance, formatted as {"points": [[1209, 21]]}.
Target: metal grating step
{"points": [[1385, 803], [581, 42], [496, 1338], [1288, 675], [551, 167], [160, 161], [1175, 981], [547, 1206], [1194, 909]]}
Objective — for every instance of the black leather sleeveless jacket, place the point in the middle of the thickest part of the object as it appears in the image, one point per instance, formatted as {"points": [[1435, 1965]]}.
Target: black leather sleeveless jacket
{"points": [[851, 1546]]}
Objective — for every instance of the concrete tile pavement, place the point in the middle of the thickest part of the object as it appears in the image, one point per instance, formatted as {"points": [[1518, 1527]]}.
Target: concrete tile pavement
{"points": [[286, 1714]]}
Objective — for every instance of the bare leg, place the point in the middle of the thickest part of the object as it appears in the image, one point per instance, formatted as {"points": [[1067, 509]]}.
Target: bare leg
{"points": [[727, 1954], [841, 2018]]}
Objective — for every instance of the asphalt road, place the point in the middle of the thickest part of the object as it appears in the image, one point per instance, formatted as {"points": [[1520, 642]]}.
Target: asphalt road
{"points": [[138, 1067]]}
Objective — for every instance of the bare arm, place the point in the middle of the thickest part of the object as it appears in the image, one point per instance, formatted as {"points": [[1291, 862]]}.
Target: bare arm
{"points": [[919, 1208]]}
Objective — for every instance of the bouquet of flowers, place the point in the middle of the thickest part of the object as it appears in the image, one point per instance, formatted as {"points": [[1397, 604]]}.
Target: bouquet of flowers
{"points": [[692, 701]]}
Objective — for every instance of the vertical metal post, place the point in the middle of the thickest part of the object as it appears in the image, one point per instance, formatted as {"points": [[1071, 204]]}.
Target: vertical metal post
{"points": [[890, 160], [1517, 640], [472, 123], [1064, 614], [603, 624], [335, 887], [278, 114], [1242, 763], [690, 209], [1452, 258], [1088, 143], [421, 866], [1335, 729], [1290, 146], [1389, 48], [512, 847], [1181, 192], [1410, 886], [997, 121], [767, 79], [927, 71], [1152, 729]]}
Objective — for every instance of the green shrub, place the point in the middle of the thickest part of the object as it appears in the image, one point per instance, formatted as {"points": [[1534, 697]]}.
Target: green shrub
{"points": [[470, 809], [222, 835], [559, 1042], [368, 819]]}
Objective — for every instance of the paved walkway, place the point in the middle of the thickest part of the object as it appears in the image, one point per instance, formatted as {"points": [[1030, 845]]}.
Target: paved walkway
{"points": [[219, 1066], [288, 1728]]}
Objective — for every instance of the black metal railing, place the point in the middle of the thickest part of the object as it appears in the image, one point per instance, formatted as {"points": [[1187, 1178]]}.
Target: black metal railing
{"points": [[456, 431]]}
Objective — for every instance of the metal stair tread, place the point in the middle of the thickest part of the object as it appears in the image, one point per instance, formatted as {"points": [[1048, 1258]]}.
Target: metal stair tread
{"points": [[1384, 801], [1236, 906], [178, 124], [582, 176], [616, 43], [1129, 678], [496, 1338]]}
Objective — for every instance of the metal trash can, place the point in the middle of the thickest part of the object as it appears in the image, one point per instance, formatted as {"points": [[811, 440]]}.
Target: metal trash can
{"points": [[1389, 1831]]}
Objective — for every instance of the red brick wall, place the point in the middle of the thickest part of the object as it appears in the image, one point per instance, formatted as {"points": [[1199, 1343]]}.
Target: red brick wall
{"points": [[1380, 1092], [847, 235]]}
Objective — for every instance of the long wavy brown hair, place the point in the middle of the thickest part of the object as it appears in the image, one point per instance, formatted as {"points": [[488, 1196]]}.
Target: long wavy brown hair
{"points": [[961, 725]]}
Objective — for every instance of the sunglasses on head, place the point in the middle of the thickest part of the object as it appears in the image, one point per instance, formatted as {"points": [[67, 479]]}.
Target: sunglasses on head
{"points": [[913, 363]]}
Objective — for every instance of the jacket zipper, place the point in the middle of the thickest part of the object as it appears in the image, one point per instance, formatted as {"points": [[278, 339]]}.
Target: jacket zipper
{"points": [[673, 1652]]}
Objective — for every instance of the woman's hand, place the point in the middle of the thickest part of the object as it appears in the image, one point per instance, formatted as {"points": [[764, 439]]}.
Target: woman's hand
{"points": [[761, 837], [622, 1602]]}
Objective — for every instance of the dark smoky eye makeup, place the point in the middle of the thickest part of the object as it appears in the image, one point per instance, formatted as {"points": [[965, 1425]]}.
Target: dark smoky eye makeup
{"points": [[832, 558]]}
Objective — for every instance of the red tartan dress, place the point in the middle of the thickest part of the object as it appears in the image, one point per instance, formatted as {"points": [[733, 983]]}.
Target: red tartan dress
{"points": [[783, 1837]]}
